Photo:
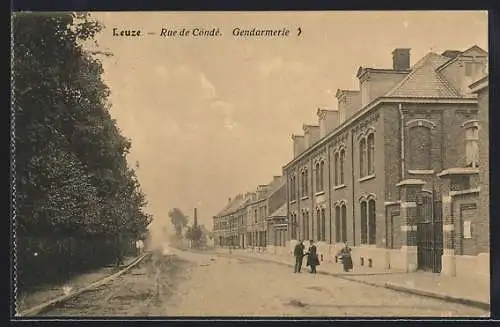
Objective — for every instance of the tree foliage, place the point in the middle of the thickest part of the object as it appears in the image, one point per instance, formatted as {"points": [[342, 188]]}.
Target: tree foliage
{"points": [[71, 169], [178, 219], [194, 234]]}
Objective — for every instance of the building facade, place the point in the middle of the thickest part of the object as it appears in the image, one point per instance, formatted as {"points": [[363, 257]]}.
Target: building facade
{"points": [[244, 222], [400, 171], [377, 172]]}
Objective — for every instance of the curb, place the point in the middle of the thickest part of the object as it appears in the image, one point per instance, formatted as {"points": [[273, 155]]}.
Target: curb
{"points": [[395, 287], [469, 302], [46, 305]]}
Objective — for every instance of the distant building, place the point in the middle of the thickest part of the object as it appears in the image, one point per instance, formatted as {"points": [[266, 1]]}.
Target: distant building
{"points": [[243, 222]]}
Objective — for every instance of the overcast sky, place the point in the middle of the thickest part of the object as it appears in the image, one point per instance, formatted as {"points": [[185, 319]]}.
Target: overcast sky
{"points": [[213, 117]]}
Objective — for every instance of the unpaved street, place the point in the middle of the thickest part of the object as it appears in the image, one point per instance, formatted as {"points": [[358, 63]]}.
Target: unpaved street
{"points": [[206, 284]]}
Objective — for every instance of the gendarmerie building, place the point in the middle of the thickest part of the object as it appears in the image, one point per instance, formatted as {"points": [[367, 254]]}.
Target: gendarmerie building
{"points": [[394, 171]]}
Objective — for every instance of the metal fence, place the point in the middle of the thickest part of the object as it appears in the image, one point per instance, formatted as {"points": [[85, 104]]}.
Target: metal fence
{"points": [[44, 260]]}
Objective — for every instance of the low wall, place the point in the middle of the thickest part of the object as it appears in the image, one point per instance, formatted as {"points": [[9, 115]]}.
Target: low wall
{"points": [[476, 267]]}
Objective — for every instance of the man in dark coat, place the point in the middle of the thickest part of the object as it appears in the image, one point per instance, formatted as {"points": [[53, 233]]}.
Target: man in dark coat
{"points": [[298, 252], [312, 257]]}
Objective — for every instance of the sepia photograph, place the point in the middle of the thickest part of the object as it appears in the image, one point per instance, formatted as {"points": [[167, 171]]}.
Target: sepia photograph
{"points": [[278, 164]]}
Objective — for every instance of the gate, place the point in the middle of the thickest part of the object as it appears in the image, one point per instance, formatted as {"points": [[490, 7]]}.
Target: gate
{"points": [[429, 232]]}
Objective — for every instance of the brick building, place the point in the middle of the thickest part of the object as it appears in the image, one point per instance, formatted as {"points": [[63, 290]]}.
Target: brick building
{"points": [[380, 171], [244, 222]]}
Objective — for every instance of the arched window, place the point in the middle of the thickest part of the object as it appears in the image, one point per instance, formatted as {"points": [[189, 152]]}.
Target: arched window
{"points": [[371, 153], [323, 225], [322, 175], [338, 232], [306, 183], [372, 222], [364, 223], [318, 224], [336, 167], [362, 157], [420, 148], [344, 222], [472, 146], [342, 165], [317, 172]]}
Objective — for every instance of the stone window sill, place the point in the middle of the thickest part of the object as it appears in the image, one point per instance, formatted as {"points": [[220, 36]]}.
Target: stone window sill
{"points": [[304, 197], [421, 171], [366, 178], [338, 187], [319, 193], [293, 201]]}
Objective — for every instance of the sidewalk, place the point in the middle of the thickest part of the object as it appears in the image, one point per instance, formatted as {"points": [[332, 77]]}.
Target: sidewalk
{"points": [[455, 289], [50, 292]]}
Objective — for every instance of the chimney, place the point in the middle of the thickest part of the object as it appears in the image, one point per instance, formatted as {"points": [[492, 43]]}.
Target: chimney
{"points": [[298, 145], [311, 134], [229, 200], [401, 59], [195, 222], [328, 121], [276, 180]]}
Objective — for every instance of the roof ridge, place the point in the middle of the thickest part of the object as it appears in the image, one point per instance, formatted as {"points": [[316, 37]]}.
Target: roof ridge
{"points": [[427, 59], [414, 68]]}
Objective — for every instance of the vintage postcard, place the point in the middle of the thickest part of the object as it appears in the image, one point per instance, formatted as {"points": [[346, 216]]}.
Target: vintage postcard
{"points": [[251, 164]]}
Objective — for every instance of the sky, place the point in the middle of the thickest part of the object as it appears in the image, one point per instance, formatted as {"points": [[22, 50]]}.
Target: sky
{"points": [[212, 117]]}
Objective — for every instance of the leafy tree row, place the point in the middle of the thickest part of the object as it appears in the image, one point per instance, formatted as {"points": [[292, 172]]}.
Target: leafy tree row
{"points": [[72, 176]]}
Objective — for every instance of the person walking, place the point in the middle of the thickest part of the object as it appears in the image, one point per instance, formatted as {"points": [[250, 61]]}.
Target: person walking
{"points": [[312, 257], [298, 252]]}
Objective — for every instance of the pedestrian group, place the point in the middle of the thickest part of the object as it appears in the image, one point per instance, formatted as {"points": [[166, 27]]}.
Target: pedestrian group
{"points": [[344, 256]]}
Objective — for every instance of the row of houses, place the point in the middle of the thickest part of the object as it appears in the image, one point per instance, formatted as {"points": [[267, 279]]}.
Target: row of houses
{"points": [[399, 171]]}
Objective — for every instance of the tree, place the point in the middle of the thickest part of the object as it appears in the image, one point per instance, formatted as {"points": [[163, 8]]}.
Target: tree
{"points": [[71, 168], [179, 220], [194, 234]]}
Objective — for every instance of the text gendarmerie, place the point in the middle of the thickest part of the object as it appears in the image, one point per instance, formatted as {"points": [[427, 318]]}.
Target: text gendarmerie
{"points": [[283, 32]]}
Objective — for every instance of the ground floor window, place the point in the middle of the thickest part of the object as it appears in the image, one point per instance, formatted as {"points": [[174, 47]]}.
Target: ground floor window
{"points": [[368, 222]]}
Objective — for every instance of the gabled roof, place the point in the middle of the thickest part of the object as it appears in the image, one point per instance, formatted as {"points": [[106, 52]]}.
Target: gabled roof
{"points": [[280, 212], [460, 54], [424, 81], [232, 206]]}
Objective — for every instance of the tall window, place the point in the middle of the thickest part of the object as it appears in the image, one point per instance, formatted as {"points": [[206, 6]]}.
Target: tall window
{"points": [[342, 162], [318, 224], [336, 167], [322, 175], [343, 210], [306, 225], [293, 227], [364, 223], [293, 188], [323, 225], [472, 146], [305, 180], [317, 172], [362, 157], [420, 147], [338, 232], [371, 153], [372, 222]]}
